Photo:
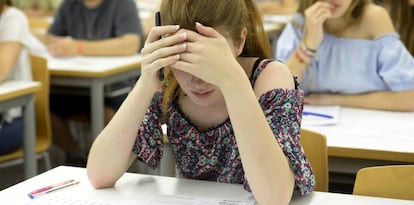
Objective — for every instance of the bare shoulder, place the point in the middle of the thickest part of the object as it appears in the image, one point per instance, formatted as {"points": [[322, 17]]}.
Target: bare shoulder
{"points": [[377, 21], [275, 75]]}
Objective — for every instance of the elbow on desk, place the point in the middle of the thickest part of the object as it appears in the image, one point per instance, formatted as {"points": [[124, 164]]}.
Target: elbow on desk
{"points": [[99, 181]]}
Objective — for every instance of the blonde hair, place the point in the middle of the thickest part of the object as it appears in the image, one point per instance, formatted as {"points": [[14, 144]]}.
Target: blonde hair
{"points": [[231, 15], [352, 15]]}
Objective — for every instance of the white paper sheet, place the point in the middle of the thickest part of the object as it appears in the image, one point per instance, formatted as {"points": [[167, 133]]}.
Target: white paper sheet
{"points": [[310, 120], [187, 200], [70, 200]]}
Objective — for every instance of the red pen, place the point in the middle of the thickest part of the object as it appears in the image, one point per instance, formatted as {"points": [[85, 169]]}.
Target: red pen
{"points": [[47, 188]]}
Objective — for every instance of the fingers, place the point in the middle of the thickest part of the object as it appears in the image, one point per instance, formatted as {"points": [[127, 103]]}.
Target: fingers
{"points": [[207, 31], [164, 56], [318, 13], [319, 5], [185, 67], [158, 32], [154, 41]]}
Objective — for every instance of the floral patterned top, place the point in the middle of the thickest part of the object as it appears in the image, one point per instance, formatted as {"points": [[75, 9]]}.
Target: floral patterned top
{"points": [[213, 154]]}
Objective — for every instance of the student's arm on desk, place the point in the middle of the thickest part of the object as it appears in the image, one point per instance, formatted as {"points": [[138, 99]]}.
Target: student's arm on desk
{"points": [[111, 153], [9, 53], [127, 44], [383, 100]]}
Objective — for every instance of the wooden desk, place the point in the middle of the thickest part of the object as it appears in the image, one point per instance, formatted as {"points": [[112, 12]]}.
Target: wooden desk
{"points": [[139, 188], [41, 22], [21, 93], [93, 73], [370, 134]]}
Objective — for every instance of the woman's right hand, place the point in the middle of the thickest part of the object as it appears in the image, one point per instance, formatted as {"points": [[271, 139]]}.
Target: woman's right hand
{"points": [[160, 52], [315, 16]]}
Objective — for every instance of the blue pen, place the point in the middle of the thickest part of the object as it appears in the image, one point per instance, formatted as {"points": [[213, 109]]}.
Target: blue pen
{"points": [[317, 114]]}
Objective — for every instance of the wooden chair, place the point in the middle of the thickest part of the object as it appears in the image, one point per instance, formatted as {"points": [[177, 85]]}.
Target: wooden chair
{"points": [[316, 150], [389, 181], [43, 125]]}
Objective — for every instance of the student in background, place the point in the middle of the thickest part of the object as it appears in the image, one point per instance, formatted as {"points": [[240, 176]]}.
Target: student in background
{"points": [[215, 55], [90, 28], [402, 15], [37, 8], [275, 7], [347, 53], [14, 65]]}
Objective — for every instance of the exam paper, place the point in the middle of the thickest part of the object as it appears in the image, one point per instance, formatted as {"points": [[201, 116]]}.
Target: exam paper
{"points": [[70, 200], [187, 200], [312, 120]]}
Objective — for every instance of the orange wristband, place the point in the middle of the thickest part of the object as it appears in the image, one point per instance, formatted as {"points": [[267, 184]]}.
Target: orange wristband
{"points": [[80, 47], [298, 57]]}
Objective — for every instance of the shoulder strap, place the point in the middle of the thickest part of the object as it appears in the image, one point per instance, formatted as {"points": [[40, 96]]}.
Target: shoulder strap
{"points": [[258, 67]]}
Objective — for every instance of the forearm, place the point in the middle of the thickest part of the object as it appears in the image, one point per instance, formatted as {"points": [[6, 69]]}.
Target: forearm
{"points": [[383, 100], [265, 165], [121, 46], [9, 55], [112, 149], [298, 63]]}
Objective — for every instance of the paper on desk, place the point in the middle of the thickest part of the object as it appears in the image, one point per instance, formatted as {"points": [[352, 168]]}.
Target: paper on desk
{"points": [[187, 200], [277, 18], [310, 120], [90, 63], [70, 200]]}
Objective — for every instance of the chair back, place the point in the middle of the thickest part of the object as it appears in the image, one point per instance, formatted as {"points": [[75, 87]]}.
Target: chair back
{"points": [[316, 151], [389, 181], [40, 73]]}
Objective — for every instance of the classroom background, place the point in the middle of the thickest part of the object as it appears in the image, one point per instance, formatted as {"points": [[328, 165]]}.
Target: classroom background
{"points": [[40, 14]]}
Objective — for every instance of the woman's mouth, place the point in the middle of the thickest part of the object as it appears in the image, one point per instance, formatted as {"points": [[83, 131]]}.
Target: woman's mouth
{"points": [[335, 7], [203, 94]]}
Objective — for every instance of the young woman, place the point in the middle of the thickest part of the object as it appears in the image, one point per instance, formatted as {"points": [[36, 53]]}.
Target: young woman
{"points": [[348, 53], [232, 115], [14, 65]]}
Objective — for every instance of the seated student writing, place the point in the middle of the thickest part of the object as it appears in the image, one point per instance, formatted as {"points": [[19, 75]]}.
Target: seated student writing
{"points": [[90, 28], [348, 53], [233, 115], [14, 65]]}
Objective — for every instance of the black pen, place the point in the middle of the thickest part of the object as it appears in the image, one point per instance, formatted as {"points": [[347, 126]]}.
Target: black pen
{"points": [[158, 23]]}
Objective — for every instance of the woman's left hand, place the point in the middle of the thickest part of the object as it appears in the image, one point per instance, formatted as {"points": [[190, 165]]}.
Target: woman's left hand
{"points": [[208, 56]]}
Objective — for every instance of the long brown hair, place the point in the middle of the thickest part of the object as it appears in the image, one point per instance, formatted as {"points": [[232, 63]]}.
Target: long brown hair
{"points": [[231, 15], [352, 15], [402, 15], [3, 3]]}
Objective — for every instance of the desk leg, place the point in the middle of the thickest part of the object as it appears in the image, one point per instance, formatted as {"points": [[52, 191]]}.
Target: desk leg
{"points": [[97, 106], [29, 141]]}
